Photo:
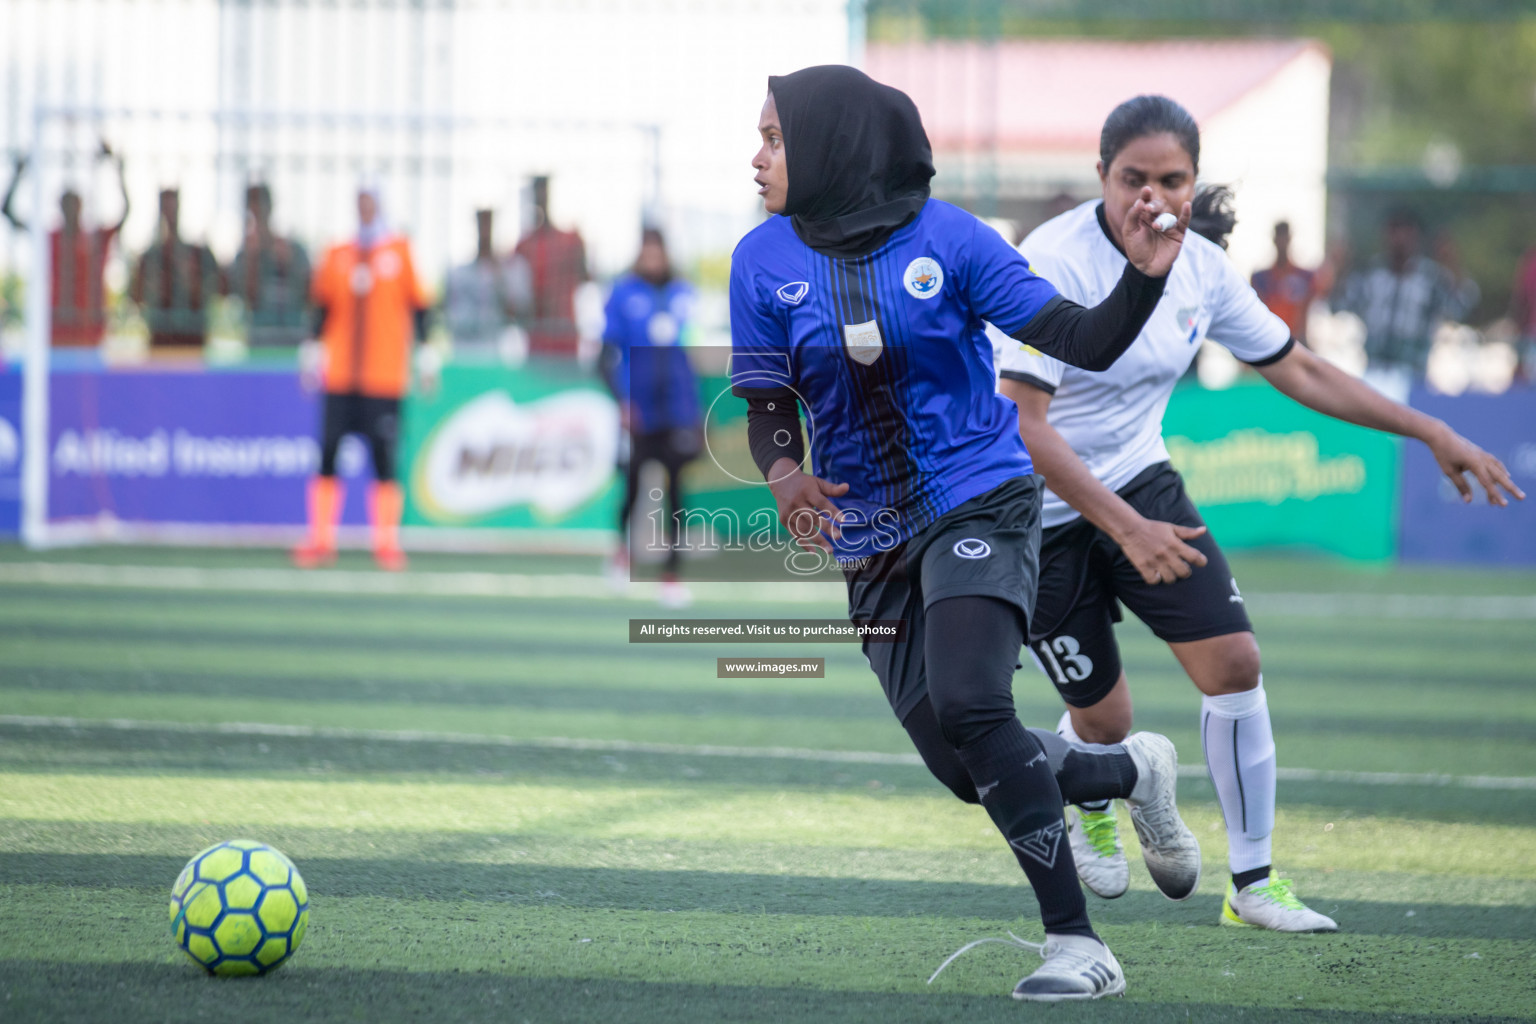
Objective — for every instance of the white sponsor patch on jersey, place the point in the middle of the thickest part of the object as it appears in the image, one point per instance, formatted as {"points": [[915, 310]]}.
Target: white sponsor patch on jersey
{"points": [[863, 342]]}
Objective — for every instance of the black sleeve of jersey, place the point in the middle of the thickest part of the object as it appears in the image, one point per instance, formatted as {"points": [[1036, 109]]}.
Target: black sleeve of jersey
{"points": [[1285, 350], [1030, 379], [1092, 339], [321, 312], [767, 427]]}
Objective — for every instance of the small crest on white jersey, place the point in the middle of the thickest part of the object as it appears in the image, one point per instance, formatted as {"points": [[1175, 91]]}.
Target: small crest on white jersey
{"points": [[863, 342], [795, 292], [1188, 319], [924, 278]]}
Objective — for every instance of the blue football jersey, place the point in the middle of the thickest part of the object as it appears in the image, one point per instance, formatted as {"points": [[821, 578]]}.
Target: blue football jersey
{"points": [[645, 323], [889, 356]]}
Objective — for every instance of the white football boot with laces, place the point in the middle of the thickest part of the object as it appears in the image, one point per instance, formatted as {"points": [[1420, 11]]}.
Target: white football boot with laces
{"points": [[1271, 904], [1168, 847], [1097, 851], [1076, 967]]}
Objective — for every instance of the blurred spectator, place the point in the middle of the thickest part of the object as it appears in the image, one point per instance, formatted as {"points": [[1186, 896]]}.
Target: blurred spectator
{"points": [[486, 297], [558, 262], [658, 394], [77, 261], [1522, 310], [271, 275], [1401, 298], [370, 302], [173, 284], [1288, 290], [1466, 291]]}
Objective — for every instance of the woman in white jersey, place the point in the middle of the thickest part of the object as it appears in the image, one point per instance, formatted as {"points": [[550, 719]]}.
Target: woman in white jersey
{"points": [[1119, 527]]}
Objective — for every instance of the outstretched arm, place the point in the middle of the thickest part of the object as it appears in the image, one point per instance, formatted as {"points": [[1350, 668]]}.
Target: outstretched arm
{"points": [[122, 184], [1157, 549], [1322, 386], [10, 194], [1093, 339]]}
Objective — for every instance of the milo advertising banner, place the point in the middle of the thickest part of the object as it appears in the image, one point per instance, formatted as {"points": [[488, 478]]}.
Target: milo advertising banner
{"points": [[528, 448], [535, 448], [1266, 471]]}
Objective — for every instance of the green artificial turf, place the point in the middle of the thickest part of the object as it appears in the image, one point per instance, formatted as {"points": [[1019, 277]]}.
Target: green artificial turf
{"points": [[610, 833]]}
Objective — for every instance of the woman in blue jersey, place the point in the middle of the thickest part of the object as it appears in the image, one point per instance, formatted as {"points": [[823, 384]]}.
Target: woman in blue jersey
{"points": [[1119, 528], [658, 393], [864, 301]]}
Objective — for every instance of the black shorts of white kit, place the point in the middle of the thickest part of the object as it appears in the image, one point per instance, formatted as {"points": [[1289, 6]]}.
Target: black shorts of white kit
{"points": [[987, 546], [377, 420], [1085, 577]]}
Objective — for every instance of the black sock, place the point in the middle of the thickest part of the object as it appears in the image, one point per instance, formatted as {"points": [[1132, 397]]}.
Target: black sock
{"points": [[1243, 879], [1018, 789], [1088, 776]]}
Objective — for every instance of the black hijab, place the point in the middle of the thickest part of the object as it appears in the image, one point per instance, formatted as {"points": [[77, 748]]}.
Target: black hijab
{"points": [[859, 160]]}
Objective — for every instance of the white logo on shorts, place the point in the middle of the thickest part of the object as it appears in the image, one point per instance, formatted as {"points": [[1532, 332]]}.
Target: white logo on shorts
{"points": [[1237, 595], [970, 547]]}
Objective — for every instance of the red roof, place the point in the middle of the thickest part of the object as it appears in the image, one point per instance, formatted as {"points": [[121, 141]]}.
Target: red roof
{"points": [[1055, 93]]}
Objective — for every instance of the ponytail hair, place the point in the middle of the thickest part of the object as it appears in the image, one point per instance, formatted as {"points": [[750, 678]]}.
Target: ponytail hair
{"points": [[1212, 215], [1148, 115]]}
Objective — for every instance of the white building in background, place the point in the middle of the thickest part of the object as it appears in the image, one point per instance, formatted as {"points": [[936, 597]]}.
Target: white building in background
{"points": [[632, 107], [1015, 124]]}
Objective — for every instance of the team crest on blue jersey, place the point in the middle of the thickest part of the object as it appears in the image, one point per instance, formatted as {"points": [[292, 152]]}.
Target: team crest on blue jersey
{"points": [[795, 292], [924, 278]]}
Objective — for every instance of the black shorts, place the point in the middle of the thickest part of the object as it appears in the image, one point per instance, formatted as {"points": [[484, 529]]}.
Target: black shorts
{"points": [[377, 420], [1085, 577], [988, 546], [674, 449]]}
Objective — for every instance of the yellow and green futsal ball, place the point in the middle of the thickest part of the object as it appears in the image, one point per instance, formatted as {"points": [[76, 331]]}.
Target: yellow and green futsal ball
{"points": [[239, 907]]}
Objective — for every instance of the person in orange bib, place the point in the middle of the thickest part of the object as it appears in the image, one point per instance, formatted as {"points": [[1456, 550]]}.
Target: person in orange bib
{"points": [[370, 304]]}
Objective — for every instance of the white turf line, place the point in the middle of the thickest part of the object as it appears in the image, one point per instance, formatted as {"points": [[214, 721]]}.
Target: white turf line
{"points": [[1517, 607], [629, 747]]}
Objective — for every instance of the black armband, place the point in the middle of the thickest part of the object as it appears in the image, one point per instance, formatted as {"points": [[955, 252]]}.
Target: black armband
{"points": [[773, 430], [1092, 339]]}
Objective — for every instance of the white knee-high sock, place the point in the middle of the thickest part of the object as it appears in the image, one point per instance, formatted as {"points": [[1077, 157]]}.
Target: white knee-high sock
{"points": [[1240, 754]]}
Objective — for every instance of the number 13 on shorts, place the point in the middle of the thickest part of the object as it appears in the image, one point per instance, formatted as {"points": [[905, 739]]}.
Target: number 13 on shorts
{"points": [[1062, 659]]}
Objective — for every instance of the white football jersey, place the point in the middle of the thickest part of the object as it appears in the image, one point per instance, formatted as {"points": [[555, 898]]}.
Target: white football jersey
{"points": [[1114, 420]]}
